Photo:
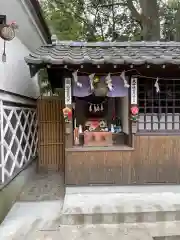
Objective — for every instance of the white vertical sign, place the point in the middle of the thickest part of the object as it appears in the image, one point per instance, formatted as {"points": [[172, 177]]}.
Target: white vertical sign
{"points": [[133, 90], [68, 99]]}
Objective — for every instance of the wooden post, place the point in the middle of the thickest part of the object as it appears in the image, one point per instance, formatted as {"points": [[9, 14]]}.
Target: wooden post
{"points": [[110, 111], [68, 103]]}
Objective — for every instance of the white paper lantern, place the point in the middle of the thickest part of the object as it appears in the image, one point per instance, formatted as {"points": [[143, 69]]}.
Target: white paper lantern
{"points": [[7, 33]]}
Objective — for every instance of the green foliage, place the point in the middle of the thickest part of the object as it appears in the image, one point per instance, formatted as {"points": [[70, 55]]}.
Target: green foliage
{"points": [[44, 84], [120, 20], [63, 18], [170, 20], [114, 20]]}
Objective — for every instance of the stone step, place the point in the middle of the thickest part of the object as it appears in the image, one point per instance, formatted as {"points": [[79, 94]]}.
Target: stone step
{"points": [[124, 189], [116, 218], [127, 231], [117, 208]]}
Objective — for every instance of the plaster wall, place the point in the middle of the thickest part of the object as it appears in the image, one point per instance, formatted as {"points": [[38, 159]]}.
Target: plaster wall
{"points": [[28, 32], [14, 73]]}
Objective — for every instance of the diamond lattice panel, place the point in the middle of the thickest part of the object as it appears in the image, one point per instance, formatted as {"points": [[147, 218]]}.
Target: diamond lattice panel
{"points": [[19, 139]]}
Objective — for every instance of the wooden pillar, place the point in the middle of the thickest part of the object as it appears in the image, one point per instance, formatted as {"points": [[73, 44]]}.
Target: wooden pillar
{"points": [[110, 111], [68, 103]]}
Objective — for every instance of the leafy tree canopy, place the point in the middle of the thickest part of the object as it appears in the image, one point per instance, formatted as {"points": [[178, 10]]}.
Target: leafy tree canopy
{"points": [[116, 20]]}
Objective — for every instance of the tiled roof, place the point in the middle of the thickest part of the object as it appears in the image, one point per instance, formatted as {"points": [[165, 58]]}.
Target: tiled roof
{"points": [[136, 53]]}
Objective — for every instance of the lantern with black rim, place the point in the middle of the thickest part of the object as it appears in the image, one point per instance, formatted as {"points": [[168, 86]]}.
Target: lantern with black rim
{"points": [[7, 32]]}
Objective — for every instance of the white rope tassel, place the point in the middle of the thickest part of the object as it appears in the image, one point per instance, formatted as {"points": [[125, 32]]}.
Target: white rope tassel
{"points": [[75, 76], [90, 108], [102, 107], [156, 85], [91, 78], [95, 110], [109, 82], [98, 108], [126, 85]]}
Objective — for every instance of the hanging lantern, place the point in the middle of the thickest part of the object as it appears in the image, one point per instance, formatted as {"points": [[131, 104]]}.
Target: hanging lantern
{"points": [[7, 31], [101, 89]]}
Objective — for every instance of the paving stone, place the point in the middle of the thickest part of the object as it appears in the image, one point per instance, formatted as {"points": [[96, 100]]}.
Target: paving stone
{"points": [[44, 187]]}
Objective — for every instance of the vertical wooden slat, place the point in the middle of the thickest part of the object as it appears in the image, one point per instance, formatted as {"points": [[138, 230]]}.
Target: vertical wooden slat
{"points": [[51, 134], [155, 159]]}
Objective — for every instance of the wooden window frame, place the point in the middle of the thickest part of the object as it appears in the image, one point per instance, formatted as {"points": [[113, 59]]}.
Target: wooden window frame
{"points": [[159, 112]]}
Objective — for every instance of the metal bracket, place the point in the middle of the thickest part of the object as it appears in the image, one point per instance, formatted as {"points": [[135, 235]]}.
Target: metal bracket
{"points": [[3, 19]]}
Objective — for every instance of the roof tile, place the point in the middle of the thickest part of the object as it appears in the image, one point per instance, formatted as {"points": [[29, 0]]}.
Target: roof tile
{"points": [[136, 53]]}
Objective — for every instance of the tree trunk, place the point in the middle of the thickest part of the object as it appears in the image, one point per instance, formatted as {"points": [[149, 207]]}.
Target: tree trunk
{"points": [[150, 20], [113, 24], [177, 22]]}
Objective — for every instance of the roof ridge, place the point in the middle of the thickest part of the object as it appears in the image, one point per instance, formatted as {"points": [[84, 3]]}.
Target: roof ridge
{"points": [[107, 44], [117, 44]]}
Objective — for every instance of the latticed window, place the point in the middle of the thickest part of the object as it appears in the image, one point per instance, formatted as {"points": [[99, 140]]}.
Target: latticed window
{"points": [[159, 111], [19, 139]]}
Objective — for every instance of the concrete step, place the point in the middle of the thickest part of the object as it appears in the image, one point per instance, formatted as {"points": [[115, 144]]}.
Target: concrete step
{"points": [[127, 231], [124, 189], [157, 231], [117, 208]]}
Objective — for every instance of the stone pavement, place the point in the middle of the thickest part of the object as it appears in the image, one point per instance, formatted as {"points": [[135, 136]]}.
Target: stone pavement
{"points": [[26, 218], [44, 187], [38, 207], [39, 213], [81, 232], [93, 232]]}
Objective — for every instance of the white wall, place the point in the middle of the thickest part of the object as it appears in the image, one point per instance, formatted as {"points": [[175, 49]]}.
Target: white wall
{"points": [[14, 73], [28, 32]]}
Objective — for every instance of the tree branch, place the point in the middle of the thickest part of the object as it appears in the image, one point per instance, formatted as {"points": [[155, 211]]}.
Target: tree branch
{"points": [[177, 24], [128, 3], [135, 14], [112, 5]]}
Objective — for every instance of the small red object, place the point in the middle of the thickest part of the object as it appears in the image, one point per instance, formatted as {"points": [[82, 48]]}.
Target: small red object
{"points": [[69, 115], [134, 110]]}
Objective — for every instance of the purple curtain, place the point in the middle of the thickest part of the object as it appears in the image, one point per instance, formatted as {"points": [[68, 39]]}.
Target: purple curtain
{"points": [[85, 90]]}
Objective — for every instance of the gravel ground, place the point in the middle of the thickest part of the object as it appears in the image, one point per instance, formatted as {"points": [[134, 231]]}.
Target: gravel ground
{"points": [[44, 187]]}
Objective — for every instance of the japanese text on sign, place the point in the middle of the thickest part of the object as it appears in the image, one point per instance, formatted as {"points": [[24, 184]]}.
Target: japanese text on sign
{"points": [[68, 100], [133, 90]]}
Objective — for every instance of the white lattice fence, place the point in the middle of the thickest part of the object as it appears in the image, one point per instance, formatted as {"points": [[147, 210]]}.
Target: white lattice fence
{"points": [[18, 139]]}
